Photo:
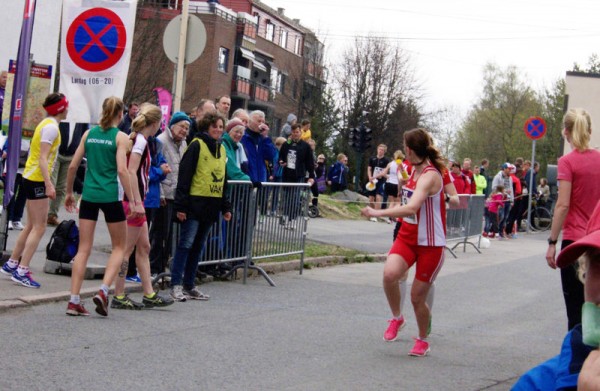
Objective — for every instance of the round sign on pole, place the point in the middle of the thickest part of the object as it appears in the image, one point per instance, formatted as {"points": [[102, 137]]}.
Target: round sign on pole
{"points": [[96, 39], [196, 39], [535, 128]]}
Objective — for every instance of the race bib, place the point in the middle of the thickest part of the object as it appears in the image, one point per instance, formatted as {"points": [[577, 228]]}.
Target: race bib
{"points": [[406, 194], [377, 171], [291, 160]]}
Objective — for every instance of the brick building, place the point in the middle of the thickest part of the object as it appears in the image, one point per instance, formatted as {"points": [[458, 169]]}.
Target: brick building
{"points": [[257, 55]]}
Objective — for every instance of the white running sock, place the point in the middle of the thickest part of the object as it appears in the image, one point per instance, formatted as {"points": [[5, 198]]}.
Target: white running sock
{"points": [[75, 299], [402, 295], [430, 296], [22, 270], [13, 263], [104, 289]]}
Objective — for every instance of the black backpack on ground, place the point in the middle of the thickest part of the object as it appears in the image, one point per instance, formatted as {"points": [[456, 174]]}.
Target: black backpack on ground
{"points": [[64, 242]]}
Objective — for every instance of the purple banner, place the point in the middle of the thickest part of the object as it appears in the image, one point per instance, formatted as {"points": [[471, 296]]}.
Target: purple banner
{"points": [[18, 100], [164, 100]]}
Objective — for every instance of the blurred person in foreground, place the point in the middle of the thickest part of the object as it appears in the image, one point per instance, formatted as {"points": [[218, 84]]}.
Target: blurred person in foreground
{"points": [[579, 183], [567, 370]]}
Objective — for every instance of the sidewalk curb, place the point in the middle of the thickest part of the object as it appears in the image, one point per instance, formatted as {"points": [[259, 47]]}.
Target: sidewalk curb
{"points": [[269, 267], [31, 300]]}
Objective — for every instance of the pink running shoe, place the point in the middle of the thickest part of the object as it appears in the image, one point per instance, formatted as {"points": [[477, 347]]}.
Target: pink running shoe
{"points": [[391, 334], [420, 349]]}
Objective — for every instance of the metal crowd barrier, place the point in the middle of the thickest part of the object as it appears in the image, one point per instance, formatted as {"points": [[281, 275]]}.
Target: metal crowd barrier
{"points": [[464, 222], [267, 222]]}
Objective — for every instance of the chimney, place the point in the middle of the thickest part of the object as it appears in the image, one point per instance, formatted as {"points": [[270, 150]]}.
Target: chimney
{"points": [[297, 21], [280, 10]]}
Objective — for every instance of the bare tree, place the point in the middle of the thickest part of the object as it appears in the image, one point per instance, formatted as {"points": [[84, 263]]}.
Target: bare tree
{"points": [[375, 75], [444, 124], [149, 64]]}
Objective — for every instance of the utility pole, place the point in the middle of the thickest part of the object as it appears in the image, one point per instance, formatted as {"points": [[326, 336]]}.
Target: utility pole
{"points": [[185, 10]]}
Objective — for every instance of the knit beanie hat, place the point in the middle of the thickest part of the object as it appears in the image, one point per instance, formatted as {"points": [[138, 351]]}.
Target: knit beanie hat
{"points": [[178, 117], [233, 123]]}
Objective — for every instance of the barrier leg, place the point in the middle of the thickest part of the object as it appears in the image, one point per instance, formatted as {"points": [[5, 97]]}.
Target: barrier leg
{"points": [[451, 252]]}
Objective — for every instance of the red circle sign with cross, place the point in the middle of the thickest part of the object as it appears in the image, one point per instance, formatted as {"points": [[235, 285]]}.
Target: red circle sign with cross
{"points": [[96, 39], [535, 128]]}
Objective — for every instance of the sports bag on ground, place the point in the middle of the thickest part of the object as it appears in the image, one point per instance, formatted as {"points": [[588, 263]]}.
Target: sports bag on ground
{"points": [[64, 242]]}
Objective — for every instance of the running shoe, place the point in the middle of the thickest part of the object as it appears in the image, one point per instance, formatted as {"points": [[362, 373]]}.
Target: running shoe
{"points": [[76, 310], [52, 220], [373, 219], [195, 294], [101, 302], [157, 301], [7, 270], [177, 293], [420, 349], [125, 304], [395, 325], [135, 279], [15, 225], [25, 280]]}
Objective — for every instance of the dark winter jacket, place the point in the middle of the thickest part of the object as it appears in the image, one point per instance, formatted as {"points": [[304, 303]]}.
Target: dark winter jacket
{"points": [[300, 154], [259, 150], [199, 207], [338, 173]]}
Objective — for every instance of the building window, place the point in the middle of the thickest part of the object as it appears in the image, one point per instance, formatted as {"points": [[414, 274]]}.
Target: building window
{"points": [[270, 31], [223, 64], [257, 18], [283, 37], [297, 45], [280, 82]]}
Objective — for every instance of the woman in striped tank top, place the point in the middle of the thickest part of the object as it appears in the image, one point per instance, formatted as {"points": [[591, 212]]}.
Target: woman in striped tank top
{"points": [[421, 239], [145, 125]]}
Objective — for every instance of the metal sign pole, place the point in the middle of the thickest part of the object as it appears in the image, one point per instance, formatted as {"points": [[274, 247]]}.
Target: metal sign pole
{"points": [[530, 186], [181, 56]]}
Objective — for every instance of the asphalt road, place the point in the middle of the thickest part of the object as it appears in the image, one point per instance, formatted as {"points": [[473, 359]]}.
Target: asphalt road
{"points": [[495, 315]]}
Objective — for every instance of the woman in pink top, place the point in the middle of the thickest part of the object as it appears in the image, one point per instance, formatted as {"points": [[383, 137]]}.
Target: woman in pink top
{"points": [[579, 189]]}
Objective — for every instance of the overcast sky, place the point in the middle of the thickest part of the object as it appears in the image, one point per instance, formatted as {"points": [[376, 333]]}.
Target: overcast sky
{"points": [[451, 40]]}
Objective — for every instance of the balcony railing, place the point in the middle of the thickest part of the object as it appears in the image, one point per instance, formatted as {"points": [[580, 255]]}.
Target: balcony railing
{"points": [[241, 86], [250, 90], [261, 93]]}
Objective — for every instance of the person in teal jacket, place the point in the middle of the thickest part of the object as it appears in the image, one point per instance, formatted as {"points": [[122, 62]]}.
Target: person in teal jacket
{"points": [[233, 149], [236, 237]]}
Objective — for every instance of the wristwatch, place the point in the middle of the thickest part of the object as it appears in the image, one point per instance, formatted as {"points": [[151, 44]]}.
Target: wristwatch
{"points": [[551, 242]]}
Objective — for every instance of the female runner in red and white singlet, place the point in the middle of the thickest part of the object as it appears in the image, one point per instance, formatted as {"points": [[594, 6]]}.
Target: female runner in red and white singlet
{"points": [[421, 239]]}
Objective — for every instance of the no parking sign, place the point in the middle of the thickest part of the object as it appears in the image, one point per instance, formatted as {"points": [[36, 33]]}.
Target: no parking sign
{"points": [[96, 39], [95, 51], [535, 128]]}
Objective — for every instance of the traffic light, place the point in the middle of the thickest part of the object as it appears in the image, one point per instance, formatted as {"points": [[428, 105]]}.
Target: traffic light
{"points": [[360, 138], [354, 139], [365, 137]]}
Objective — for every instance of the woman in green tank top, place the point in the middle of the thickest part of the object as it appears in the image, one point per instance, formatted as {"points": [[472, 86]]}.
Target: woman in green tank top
{"points": [[106, 151]]}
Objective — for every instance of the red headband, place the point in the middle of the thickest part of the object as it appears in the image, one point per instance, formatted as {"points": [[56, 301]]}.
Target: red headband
{"points": [[58, 107]]}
